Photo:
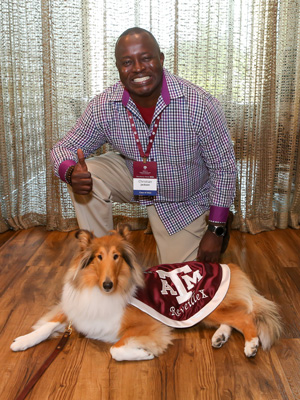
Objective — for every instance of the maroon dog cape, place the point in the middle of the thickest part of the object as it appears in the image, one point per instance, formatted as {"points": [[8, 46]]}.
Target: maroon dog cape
{"points": [[181, 295]]}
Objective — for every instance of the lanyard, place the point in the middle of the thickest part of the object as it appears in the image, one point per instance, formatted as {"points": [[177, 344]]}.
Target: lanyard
{"points": [[136, 136]]}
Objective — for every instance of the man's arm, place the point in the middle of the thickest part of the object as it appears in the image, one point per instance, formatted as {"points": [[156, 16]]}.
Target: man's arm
{"points": [[211, 245], [218, 155], [85, 135]]}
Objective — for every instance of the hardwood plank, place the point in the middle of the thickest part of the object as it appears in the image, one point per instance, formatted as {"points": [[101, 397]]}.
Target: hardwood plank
{"points": [[18, 367], [248, 378], [15, 254], [65, 372], [32, 289], [280, 247], [95, 378], [287, 353], [269, 273], [294, 274], [195, 373], [6, 236], [58, 250]]}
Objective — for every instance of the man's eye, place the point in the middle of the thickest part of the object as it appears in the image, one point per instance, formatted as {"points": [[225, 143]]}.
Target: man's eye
{"points": [[126, 63]]}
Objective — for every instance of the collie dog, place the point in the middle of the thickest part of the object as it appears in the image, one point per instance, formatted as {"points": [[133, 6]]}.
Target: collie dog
{"points": [[101, 283]]}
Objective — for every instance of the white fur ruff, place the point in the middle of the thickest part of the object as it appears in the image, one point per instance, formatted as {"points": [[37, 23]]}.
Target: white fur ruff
{"points": [[95, 314]]}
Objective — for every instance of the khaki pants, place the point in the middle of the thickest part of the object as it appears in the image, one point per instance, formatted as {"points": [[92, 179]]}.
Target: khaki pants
{"points": [[112, 182]]}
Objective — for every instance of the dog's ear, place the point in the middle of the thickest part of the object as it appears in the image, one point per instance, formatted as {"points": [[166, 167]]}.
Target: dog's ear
{"points": [[124, 230], [129, 257], [85, 238], [86, 260]]}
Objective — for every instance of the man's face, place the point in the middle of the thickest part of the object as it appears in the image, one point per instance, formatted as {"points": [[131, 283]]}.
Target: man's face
{"points": [[140, 66]]}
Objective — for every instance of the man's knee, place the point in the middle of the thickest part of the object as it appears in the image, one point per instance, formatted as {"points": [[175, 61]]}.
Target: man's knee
{"points": [[95, 166]]}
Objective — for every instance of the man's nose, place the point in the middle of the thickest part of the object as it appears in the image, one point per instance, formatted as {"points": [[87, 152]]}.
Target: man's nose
{"points": [[138, 66]]}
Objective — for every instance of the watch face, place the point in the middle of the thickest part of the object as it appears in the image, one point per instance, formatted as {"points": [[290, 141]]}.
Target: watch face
{"points": [[220, 231]]}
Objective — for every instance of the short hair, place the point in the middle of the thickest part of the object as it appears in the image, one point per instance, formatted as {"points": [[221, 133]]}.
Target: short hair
{"points": [[136, 29]]}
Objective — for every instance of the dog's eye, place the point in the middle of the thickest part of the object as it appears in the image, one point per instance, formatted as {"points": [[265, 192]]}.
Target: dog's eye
{"points": [[116, 256], [100, 257]]}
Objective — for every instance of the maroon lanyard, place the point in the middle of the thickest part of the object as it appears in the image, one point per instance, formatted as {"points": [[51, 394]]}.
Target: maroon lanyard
{"points": [[136, 136]]}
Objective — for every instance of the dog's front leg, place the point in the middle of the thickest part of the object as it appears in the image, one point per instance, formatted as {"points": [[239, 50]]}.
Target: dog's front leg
{"points": [[37, 336]]}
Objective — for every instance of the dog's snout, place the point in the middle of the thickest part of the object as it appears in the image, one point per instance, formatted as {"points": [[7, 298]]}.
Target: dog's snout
{"points": [[107, 285]]}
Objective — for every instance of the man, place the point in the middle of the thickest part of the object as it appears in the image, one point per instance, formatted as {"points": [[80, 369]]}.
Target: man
{"points": [[172, 146]]}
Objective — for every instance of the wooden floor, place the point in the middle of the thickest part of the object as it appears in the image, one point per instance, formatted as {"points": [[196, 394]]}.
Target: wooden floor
{"points": [[32, 265]]}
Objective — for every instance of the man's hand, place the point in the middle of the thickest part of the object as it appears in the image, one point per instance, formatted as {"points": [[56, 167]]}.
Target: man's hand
{"points": [[81, 179], [210, 248]]}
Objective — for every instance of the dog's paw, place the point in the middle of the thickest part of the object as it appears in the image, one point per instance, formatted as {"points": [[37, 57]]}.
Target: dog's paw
{"points": [[251, 347], [21, 343], [127, 353], [221, 336]]}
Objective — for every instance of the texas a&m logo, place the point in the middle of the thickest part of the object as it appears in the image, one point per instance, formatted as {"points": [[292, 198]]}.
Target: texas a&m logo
{"points": [[183, 281]]}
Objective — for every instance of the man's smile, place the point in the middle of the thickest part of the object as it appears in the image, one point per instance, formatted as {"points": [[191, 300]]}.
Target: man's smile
{"points": [[141, 79]]}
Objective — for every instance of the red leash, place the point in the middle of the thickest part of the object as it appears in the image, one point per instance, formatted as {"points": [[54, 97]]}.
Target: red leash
{"points": [[46, 364]]}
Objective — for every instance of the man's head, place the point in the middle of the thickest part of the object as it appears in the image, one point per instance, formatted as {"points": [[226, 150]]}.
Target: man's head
{"points": [[140, 64]]}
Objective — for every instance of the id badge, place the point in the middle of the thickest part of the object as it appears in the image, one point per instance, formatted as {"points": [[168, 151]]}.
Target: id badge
{"points": [[145, 178]]}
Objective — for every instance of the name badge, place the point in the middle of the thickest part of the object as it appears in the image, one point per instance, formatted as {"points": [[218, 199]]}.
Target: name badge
{"points": [[145, 178]]}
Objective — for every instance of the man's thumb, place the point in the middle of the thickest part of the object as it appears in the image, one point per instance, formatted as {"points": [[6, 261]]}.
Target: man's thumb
{"points": [[81, 161]]}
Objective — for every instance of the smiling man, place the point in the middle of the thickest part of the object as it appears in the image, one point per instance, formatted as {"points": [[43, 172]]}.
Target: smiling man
{"points": [[140, 64], [173, 154]]}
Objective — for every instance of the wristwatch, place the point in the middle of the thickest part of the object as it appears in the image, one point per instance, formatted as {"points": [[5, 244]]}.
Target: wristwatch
{"points": [[218, 230]]}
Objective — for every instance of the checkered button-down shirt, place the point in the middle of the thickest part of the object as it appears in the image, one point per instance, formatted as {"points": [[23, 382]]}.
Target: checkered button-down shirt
{"points": [[193, 150]]}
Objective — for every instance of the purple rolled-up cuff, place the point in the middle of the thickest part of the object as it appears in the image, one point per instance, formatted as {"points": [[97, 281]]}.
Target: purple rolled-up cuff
{"points": [[218, 214], [64, 166]]}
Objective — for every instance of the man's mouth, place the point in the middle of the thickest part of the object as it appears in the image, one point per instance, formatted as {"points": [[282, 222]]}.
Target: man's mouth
{"points": [[142, 79]]}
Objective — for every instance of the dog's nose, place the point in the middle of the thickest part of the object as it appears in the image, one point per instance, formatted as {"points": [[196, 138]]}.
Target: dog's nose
{"points": [[107, 285]]}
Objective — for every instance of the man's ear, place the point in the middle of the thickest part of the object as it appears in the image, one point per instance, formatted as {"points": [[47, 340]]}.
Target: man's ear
{"points": [[162, 58]]}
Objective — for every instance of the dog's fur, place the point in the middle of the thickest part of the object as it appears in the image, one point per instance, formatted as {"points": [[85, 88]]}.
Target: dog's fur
{"points": [[102, 279]]}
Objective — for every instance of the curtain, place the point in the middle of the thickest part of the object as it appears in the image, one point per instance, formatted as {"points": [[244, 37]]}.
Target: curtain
{"points": [[56, 55], [42, 80]]}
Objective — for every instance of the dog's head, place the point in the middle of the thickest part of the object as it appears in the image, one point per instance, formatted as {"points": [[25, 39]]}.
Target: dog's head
{"points": [[108, 262]]}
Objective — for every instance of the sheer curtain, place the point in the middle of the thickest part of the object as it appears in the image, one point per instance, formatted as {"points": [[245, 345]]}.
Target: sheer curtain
{"points": [[42, 83], [56, 55]]}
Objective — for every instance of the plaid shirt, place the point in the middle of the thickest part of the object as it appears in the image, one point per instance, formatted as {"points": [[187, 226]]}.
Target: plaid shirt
{"points": [[193, 150]]}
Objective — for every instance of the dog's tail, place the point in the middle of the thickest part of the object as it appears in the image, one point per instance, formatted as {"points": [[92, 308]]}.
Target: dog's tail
{"points": [[267, 320]]}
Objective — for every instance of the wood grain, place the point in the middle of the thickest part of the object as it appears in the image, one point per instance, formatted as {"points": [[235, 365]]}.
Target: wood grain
{"points": [[32, 265]]}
